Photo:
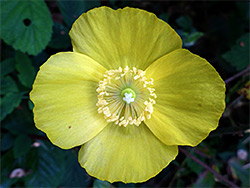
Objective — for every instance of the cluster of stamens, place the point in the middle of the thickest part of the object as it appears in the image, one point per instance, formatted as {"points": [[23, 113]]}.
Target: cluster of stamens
{"points": [[126, 96]]}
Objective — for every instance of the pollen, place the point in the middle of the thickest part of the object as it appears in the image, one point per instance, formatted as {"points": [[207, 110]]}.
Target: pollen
{"points": [[126, 96]]}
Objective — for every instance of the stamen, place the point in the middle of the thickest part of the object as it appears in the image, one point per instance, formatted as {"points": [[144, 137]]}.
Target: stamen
{"points": [[125, 96]]}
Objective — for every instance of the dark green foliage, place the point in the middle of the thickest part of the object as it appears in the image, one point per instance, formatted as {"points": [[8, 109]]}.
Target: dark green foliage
{"points": [[239, 172], [26, 25], [185, 23], [49, 169], [205, 179], [26, 72], [188, 33], [7, 141], [101, 184], [8, 85], [60, 38], [30, 37], [71, 10], [75, 175], [7, 66], [9, 102], [238, 56]]}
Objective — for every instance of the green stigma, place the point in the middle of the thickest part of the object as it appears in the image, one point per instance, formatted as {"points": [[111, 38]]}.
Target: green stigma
{"points": [[128, 95]]}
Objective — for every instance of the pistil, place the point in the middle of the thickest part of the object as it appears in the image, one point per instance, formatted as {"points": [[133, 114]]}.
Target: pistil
{"points": [[125, 96]]}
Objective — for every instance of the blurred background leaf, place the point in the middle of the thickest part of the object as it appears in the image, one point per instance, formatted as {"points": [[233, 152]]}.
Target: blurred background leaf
{"points": [[75, 175], [60, 38], [8, 85], [26, 72], [22, 145], [238, 56], [9, 102], [71, 10], [26, 25], [188, 33], [205, 179], [239, 172], [101, 184], [50, 167], [7, 66]]}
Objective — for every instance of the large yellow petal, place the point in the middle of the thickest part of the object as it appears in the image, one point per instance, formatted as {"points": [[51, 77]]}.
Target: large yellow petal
{"points": [[123, 37], [127, 154], [65, 99], [190, 98]]}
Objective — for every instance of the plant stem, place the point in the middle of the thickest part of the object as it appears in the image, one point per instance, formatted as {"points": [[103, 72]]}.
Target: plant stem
{"points": [[237, 75], [219, 176]]}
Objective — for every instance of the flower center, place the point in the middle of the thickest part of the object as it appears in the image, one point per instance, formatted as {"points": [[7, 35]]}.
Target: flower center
{"points": [[125, 96], [128, 95]]}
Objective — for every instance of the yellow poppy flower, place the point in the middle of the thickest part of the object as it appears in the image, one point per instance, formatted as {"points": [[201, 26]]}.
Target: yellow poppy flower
{"points": [[128, 94]]}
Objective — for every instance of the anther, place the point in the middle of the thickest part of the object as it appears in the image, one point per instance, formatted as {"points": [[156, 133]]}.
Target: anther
{"points": [[121, 106]]}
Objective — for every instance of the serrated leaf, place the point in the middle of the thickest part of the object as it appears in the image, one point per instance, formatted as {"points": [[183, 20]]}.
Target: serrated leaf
{"points": [[71, 10], [26, 25], [25, 68], [7, 141], [22, 145], [50, 168], [101, 184], [238, 56], [7, 66], [60, 37], [9, 102], [75, 175], [8, 85]]}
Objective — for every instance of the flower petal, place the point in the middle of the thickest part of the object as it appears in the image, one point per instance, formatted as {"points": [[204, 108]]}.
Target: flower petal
{"points": [[190, 98], [123, 37], [127, 154], [65, 99]]}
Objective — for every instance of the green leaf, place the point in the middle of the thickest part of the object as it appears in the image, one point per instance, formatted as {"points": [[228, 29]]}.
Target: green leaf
{"points": [[8, 163], [113, 4], [75, 175], [26, 71], [124, 185], [71, 10], [26, 25], [192, 37], [193, 166], [20, 122], [60, 37], [7, 141], [50, 167], [240, 172], [101, 184], [185, 22], [238, 56], [204, 180], [164, 17], [31, 105], [8, 85], [9, 102], [7, 66], [22, 145]]}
